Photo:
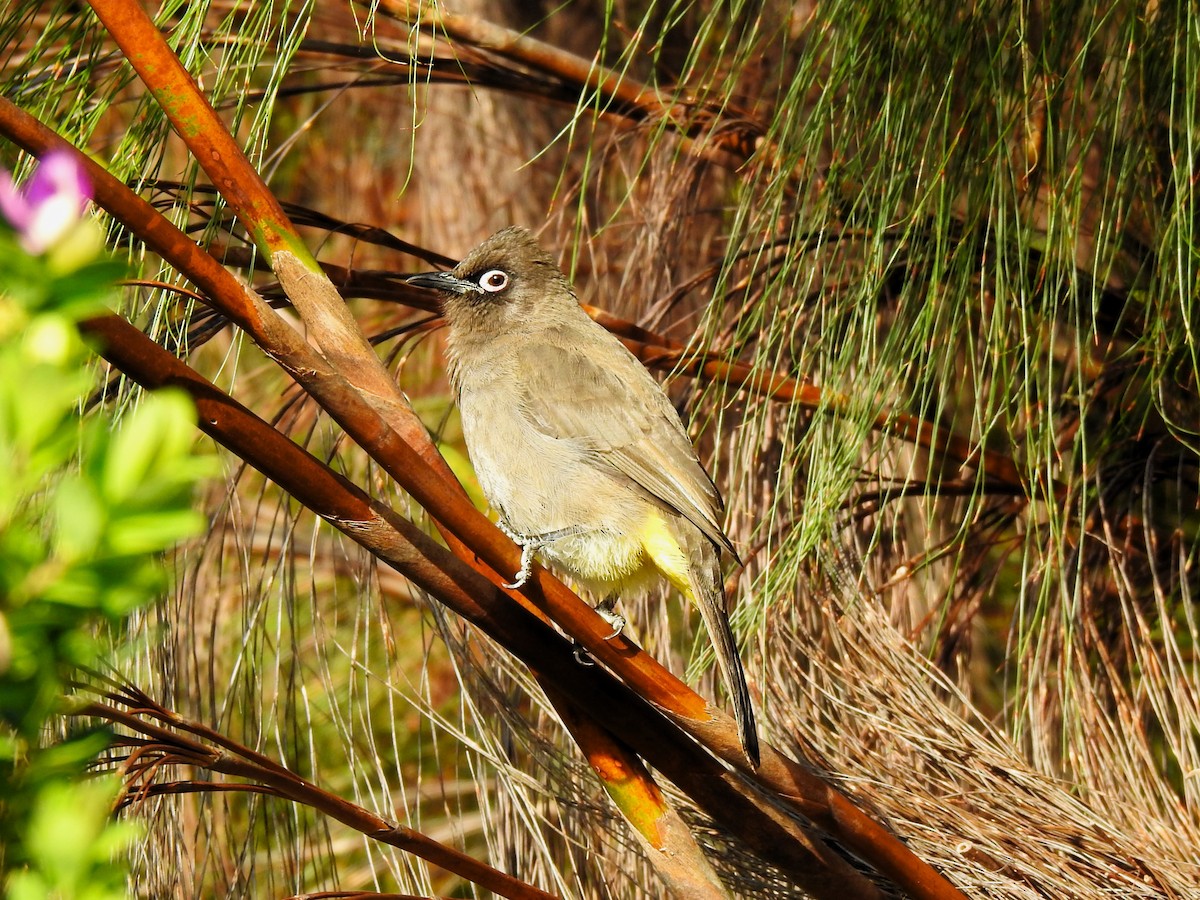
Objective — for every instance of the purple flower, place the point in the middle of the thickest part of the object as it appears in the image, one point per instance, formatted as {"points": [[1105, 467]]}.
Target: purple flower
{"points": [[49, 204]]}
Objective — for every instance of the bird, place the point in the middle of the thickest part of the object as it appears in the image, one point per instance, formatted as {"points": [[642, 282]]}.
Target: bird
{"points": [[577, 448]]}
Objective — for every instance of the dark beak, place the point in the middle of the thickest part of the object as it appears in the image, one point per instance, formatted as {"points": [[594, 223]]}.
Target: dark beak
{"points": [[444, 282]]}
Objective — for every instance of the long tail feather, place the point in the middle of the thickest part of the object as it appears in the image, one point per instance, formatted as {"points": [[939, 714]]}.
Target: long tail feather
{"points": [[708, 595]]}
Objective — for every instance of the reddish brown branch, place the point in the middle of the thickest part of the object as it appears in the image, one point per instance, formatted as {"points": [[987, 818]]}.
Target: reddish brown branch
{"points": [[772, 834]]}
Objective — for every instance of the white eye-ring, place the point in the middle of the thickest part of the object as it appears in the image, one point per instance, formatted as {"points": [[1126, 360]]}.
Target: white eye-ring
{"points": [[494, 280]]}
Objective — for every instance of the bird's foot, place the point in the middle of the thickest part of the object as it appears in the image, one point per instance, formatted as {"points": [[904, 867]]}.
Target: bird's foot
{"points": [[605, 610], [582, 656], [528, 548], [531, 544]]}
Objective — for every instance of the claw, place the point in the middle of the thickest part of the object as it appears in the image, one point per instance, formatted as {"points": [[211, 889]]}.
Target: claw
{"points": [[531, 544], [617, 621], [528, 548], [604, 609], [582, 656]]}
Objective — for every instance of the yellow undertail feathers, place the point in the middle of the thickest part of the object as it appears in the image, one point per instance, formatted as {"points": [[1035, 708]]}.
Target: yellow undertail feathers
{"points": [[664, 551]]}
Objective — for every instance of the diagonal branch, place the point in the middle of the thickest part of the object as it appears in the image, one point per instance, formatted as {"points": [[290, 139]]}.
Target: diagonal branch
{"points": [[773, 834]]}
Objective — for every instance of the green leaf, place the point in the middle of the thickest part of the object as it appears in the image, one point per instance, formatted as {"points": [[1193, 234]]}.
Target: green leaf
{"points": [[152, 443], [79, 519], [70, 839], [152, 531]]}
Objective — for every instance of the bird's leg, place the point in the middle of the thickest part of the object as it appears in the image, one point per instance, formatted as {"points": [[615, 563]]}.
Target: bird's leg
{"points": [[528, 548], [605, 609], [531, 544]]}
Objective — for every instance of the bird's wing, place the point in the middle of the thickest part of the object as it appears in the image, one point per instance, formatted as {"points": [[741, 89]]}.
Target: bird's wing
{"points": [[620, 414]]}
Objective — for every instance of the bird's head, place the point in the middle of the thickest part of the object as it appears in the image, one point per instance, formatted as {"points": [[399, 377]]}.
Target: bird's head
{"points": [[508, 278]]}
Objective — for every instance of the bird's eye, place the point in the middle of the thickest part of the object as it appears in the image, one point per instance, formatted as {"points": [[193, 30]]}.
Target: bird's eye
{"points": [[493, 281]]}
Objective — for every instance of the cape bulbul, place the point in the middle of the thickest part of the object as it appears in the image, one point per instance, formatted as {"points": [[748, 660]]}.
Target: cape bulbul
{"points": [[576, 446]]}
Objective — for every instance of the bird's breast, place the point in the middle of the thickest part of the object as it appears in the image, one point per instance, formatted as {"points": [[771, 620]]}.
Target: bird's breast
{"points": [[537, 481]]}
